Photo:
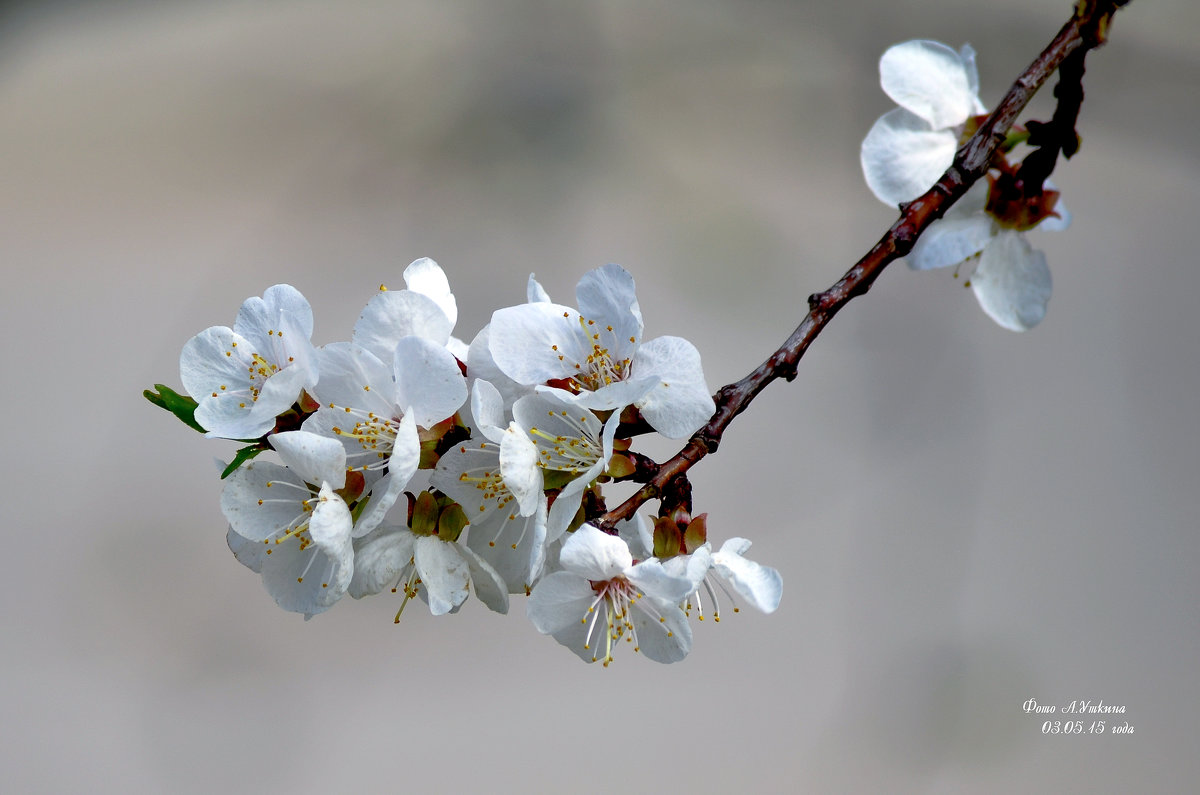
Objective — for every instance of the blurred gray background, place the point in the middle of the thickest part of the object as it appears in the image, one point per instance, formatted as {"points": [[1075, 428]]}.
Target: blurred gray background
{"points": [[965, 518]]}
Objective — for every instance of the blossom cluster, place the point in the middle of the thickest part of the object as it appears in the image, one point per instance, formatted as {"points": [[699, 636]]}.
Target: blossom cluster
{"points": [[909, 148], [408, 461]]}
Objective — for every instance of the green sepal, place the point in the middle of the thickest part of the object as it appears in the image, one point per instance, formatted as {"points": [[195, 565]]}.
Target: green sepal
{"points": [[182, 406], [667, 538], [242, 456], [451, 522], [556, 479], [425, 515], [696, 534]]}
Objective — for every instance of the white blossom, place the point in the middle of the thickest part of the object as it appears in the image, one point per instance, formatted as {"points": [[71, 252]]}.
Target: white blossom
{"points": [[376, 408], [243, 377], [569, 440], [601, 596], [597, 355], [907, 151], [287, 523], [497, 481], [440, 572], [909, 148]]}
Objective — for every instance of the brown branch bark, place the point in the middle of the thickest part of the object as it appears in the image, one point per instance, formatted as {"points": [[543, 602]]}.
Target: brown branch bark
{"points": [[1086, 30]]}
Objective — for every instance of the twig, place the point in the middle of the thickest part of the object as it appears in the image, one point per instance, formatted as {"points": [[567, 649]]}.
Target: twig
{"points": [[1086, 30]]}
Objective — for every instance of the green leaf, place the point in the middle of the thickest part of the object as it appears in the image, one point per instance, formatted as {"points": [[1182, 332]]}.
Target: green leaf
{"points": [[242, 456], [181, 406]]}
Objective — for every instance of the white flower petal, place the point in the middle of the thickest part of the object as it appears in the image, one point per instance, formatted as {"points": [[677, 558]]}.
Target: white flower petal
{"points": [[663, 633], [1012, 282], [902, 157], [444, 573], [391, 315], [426, 277], [487, 409], [761, 586], [403, 463], [680, 402], [535, 293], [308, 580], [519, 469], [259, 318], [534, 343], [354, 377], [653, 579], [616, 395], [950, 241], [513, 545], [314, 458], [561, 512], [929, 79], [481, 366], [490, 587], [966, 54], [559, 601], [639, 535], [607, 295], [250, 554], [330, 526], [257, 510], [594, 554], [379, 562], [429, 383]]}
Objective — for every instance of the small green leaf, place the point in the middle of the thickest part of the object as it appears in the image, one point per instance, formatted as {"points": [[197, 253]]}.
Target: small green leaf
{"points": [[242, 456], [181, 406]]}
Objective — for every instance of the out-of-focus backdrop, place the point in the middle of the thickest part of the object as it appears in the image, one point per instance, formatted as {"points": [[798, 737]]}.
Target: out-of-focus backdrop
{"points": [[966, 518]]}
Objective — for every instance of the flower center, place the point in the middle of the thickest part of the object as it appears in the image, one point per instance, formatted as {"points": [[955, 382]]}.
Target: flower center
{"points": [[375, 434], [616, 598], [599, 368], [485, 478], [575, 453]]}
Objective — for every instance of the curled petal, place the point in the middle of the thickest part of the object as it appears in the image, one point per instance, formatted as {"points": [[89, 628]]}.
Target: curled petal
{"points": [[519, 469], [487, 409], [402, 464], [594, 554], [426, 277], [607, 295], [535, 293], [656, 582], [330, 528], [380, 560], [761, 586], [316, 459], [490, 587], [444, 573]]}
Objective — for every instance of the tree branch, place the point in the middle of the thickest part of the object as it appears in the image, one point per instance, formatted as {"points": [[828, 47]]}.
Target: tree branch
{"points": [[1086, 30]]}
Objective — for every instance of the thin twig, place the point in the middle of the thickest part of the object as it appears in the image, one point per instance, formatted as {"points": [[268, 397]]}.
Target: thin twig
{"points": [[1087, 29]]}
